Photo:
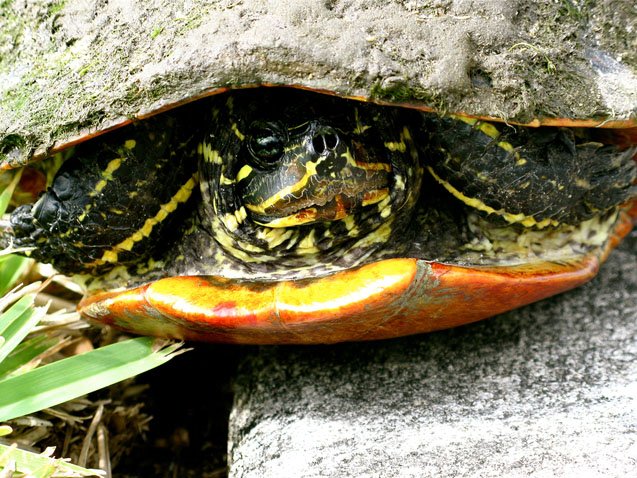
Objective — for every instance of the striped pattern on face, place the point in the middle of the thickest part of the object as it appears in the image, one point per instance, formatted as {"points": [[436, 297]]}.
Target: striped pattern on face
{"points": [[294, 180]]}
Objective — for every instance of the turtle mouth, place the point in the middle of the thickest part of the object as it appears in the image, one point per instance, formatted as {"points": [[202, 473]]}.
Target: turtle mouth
{"points": [[335, 206]]}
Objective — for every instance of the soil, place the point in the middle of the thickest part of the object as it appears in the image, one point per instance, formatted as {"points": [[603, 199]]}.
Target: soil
{"points": [[189, 399]]}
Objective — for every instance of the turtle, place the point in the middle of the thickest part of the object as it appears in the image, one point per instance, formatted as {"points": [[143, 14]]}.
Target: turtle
{"points": [[281, 212]]}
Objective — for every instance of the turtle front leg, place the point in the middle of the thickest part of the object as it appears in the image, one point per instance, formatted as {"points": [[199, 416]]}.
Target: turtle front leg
{"points": [[534, 177], [115, 202]]}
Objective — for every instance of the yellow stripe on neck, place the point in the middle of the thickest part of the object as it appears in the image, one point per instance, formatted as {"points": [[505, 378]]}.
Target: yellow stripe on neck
{"points": [[526, 221], [164, 211]]}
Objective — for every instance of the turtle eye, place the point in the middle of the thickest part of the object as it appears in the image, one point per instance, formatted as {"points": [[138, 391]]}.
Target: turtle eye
{"points": [[266, 142]]}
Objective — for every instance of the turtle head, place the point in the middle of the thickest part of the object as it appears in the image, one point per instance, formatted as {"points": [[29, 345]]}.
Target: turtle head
{"points": [[291, 175], [308, 173]]}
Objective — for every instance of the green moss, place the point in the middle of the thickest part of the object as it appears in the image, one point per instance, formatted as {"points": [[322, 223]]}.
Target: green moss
{"points": [[12, 141], [156, 32], [548, 63], [402, 93], [55, 8], [577, 10]]}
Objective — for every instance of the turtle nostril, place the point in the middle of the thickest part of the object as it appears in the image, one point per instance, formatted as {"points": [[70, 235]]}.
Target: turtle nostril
{"points": [[331, 140], [324, 142], [318, 144]]}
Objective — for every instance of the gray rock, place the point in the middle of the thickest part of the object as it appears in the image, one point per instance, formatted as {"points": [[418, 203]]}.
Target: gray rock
{"points": [[547, 390]]}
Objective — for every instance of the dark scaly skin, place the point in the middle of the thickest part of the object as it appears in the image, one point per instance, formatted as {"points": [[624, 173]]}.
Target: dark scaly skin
{"points": [[108, 192], [550, 176], [213, 141]]}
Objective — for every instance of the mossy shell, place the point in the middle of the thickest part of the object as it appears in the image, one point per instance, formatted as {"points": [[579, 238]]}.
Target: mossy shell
{"points": [[69, 70]]}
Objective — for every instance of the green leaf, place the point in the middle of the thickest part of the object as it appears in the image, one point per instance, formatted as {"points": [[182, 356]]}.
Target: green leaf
{"points": [[75, 376], [11, 267], [15, 311], [17, 322], [25, 353], [40, 466], [5, 196]]}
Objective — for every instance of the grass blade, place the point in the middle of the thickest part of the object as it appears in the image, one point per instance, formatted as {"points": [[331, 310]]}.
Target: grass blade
{"points": [[35, 465], [16, 310], [72, 377], [11, 267], [14, 328], [25, 353], [5, 195]]}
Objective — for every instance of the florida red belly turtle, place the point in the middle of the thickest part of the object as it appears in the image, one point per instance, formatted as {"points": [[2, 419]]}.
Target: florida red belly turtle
{"points": [[290, 215]]}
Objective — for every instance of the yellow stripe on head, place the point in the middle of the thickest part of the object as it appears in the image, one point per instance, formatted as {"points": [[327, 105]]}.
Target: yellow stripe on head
{"points": [[301, 217], [238, 133], [209, 155], [244, 172], [310, 170]]}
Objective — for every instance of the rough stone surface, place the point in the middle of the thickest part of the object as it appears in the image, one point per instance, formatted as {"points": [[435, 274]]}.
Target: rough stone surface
{"points": [[72, 68], [547, 390]]}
